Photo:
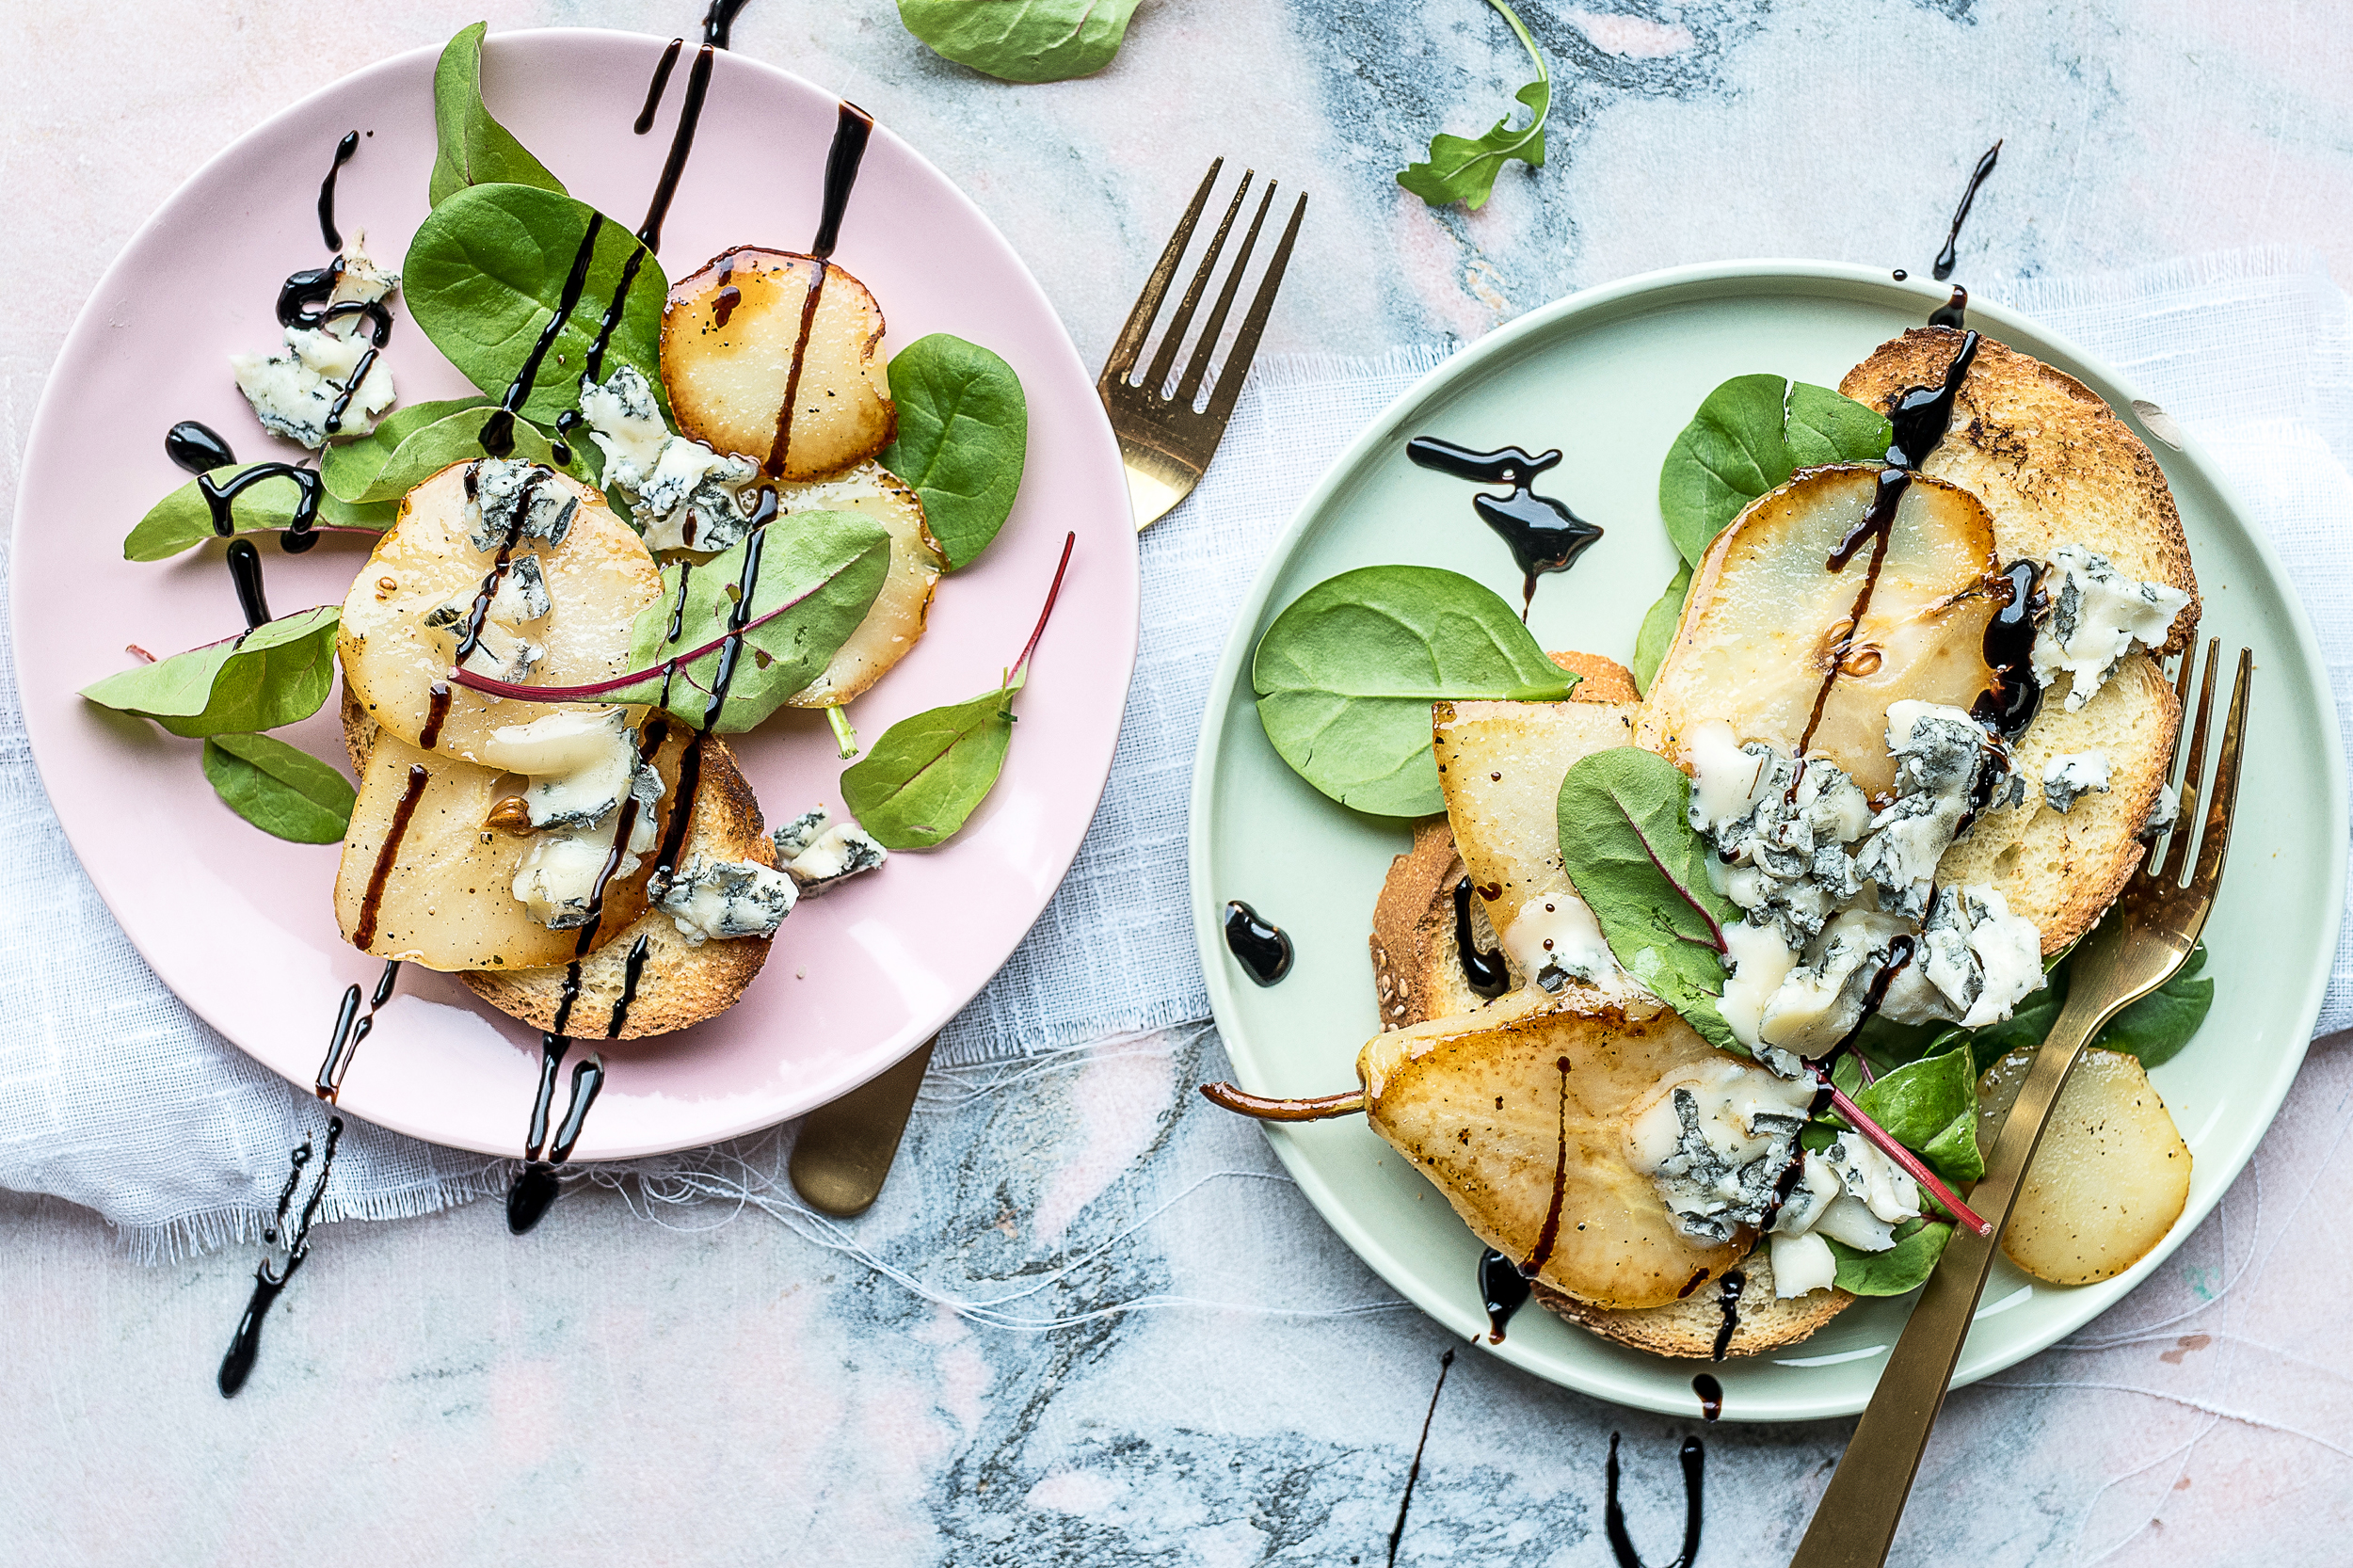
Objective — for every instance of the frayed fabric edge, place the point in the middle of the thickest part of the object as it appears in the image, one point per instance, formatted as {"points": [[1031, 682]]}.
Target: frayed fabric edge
{"points": [[210, 1230]]}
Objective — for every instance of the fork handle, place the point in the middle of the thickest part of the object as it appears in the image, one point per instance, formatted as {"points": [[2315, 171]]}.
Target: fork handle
{"points": [[1855, 1522]]}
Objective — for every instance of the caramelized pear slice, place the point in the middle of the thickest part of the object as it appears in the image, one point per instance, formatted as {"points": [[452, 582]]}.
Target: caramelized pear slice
{"points": [[595, 580], [739, 342], [447, 899], [895, 620], [1483, 1106], [2109, 1178], [1768, 619]]}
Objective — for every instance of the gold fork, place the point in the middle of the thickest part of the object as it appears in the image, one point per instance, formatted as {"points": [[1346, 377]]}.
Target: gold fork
{"points": [[2137, 949], [1165, 442]]}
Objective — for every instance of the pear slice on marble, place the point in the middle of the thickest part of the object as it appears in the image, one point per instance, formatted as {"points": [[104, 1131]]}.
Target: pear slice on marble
{"points": [[1500, 1107], [1767, 617]]}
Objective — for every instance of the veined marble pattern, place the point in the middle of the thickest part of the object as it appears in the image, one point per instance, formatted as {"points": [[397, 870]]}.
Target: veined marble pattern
{"points": [[1162, 1355]]}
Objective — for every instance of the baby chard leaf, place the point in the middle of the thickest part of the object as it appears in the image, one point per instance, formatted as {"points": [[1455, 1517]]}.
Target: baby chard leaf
{"points": [[1629, 848], [1749, 437], [1345, 678], [419, 442], [964, 431], [1658, 627], [1022, 40], [473, 147], [819, 573], [1902, 1268], [182, 520], [272, 675], [1463, 168], [282, 789], [1930, 1107], [487, 272], [928, 773]]}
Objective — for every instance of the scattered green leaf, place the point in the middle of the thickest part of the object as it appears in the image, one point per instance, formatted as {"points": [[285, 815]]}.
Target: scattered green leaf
{"points": [[1464, 169], [1022, 40], [1629, 846], [282, 789], [1345, 678], [419, 442], [1930, 1107], [486, 274], [923, 781], [473, 147], [272, 675], [820, 570], [2158, 1026], [1749, 437], [182, 520], [964, 431], [1658, 628], [1902, 1268]]}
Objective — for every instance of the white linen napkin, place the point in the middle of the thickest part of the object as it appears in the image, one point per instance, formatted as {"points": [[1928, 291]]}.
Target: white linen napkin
{"points": [[114, 1095]]}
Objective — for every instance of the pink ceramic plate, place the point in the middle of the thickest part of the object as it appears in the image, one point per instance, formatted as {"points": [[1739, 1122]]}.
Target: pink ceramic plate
{"points": [[241, 925]]}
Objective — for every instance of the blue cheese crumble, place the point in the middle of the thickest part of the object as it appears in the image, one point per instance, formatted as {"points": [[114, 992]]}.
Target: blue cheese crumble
{"points": [[294, 393], [2067, 779], [2097, 615], [721, 900], [819, 852], [516, 499], [684, 494], [1715, 1139]]}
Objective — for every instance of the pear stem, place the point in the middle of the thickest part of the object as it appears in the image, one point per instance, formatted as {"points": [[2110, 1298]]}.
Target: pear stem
{"points": [[1321, 1107], [1904, 1157], [845, 736]]}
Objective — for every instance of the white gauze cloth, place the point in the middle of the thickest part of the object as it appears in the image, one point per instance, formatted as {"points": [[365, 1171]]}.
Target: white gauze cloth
{"points": [[113, 1095]]}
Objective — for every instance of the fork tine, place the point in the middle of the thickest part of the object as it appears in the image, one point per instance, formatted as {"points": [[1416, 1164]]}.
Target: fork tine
{"points": [[2216, 840], [1181, 322], [2185, 813], [1234, 372], [1131, 342], [1199, 365]]}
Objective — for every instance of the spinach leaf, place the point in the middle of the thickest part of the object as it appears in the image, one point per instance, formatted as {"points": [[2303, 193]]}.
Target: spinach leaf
{"points": [[1463, 168], [404, 451], [1022, 40], [1749, 437], [486, 274], [1658, 628], [1930, 1107], [1904, 1266], [2158, 1026], [182, 520], [1345, 678], [275, 673], [820, 569], [474, 149], [282, 789], [923, 781], [1629, 846], [964, 432]]}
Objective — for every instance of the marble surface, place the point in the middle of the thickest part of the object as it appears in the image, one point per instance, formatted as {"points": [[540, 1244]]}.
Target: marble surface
{"points": [[1089, 1322]]}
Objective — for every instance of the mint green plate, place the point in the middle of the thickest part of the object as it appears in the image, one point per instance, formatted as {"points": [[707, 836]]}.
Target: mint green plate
{"points": [[1609, 376]]}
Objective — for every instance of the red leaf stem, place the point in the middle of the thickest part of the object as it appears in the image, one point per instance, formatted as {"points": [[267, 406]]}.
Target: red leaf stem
{"points": [[1068, 542], [1904, 1157]]}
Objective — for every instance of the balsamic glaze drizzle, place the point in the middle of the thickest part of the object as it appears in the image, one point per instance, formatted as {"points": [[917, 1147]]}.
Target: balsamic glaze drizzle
{"points": [[655, 89], [1484, 972], [1263, 948], [498, 431], [330, 235], [1549, 1237], [351, 1028], [2010, 706], [237, 1364], [197, 448], [1613, 1517], [1543, 534], [719, 23], [1728, 1290], [372, 902], [852, 126], [1503, 1288], [1946, 258], [1711, 1395]]}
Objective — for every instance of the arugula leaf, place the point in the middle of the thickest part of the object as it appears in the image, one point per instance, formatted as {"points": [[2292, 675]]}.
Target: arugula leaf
{"points": [[1022, 40], [1463, 169], [1658, 628], [1749, 437], [820, 570], [182, 520], [1346, 675], [474, 149], [1629, 846], [1930, 1107], [417, 443], [486, 274], [272, 675], [1902, 1268], [964, 431], [282, 789], [923, 781]]}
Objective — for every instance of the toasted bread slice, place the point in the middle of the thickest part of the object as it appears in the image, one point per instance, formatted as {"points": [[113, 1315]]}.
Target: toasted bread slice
{"points": [[2047, 456], [1688, 1328], [681, 984]]}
